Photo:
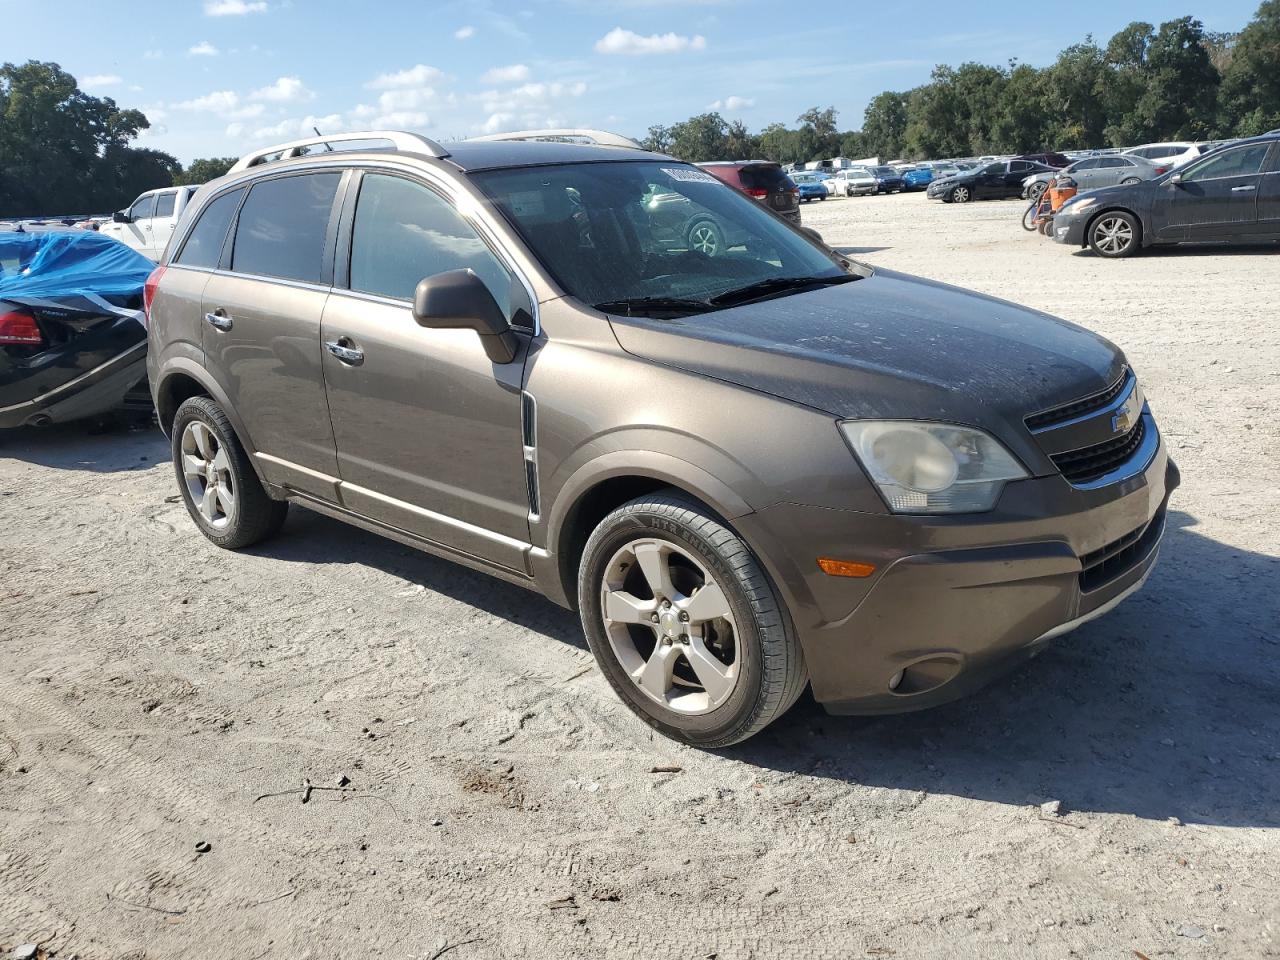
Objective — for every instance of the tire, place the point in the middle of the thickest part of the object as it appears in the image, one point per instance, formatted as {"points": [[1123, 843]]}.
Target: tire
{"points": [[1028, 218], [239, 512], [706, 237], [1130, 180], [1036, 191], [961, 194], [1115, 234], [683, 544]]}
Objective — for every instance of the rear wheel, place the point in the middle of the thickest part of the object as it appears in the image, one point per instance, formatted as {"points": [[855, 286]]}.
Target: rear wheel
{"points": [[218, 484], [961, 194], [1114, 235], [685, 625], [1129, 180], [706, 238]]}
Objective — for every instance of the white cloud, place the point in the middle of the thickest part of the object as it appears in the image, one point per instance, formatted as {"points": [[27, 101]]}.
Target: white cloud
{"points": [[220, 101], [402, 120], [233, 8], [235, 130], [100, 80], [465, 33], [284, 90], [528, 97], [203, 49], [294, 128], [516, 73], [731, 103], [496, 122], [622, 41], [418, 76]]}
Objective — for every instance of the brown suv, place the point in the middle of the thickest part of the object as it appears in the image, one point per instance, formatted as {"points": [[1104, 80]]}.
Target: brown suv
{"points": [[749, 472]]}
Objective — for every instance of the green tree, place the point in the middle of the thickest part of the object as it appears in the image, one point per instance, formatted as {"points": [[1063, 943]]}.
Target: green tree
{"points": [[1073, 87], [704, 137], [884, 125], [1250, 98], [203, 170], [658, 139]]}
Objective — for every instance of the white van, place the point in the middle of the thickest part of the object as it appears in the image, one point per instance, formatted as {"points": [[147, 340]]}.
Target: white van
{"points": [[148, 223]]}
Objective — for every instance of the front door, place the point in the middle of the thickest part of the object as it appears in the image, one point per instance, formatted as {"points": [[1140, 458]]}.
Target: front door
{"points": [[136, 232], [262, 327], [428, 429], [1269, 197], [163, 221], [1216, 197], [990, 182]]}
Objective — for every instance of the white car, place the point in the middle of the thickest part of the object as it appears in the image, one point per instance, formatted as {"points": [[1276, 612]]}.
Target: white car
{"points": [[148, 223], [1174, 153], [852, 182]]}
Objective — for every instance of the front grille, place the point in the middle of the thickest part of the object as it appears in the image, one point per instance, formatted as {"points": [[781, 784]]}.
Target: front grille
{"points": [[1090, 463], [1118, 557], [1078, 408]]}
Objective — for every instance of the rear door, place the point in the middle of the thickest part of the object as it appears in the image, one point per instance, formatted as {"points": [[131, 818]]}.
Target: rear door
{"points": [[1018, 171], [1216, 198], [262, 314], [1110, 171], [428, 429], [1269, 196]]}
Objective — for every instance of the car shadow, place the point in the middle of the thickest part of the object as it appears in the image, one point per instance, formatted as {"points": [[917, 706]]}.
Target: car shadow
{"points": [[109, 446], [1164, 708], [1202, 250], [310, 537]]}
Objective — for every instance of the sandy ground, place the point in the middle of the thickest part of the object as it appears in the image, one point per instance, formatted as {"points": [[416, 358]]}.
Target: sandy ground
{"points": [[156, 693]]}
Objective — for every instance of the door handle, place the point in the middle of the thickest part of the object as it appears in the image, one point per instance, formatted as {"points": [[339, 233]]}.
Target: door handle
{"points": [[345, 353], [1245, 189], [218, 320]]}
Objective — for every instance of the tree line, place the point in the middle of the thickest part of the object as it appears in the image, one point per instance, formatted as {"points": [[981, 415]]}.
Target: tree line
{"points": [[1174, 82], [63, 151]]}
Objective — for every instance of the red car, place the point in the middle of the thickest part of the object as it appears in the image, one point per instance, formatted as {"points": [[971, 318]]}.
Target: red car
{"points": [[760, 179]]}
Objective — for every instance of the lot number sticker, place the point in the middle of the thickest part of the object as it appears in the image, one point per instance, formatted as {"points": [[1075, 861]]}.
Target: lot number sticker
{"points": [[685, 175]]}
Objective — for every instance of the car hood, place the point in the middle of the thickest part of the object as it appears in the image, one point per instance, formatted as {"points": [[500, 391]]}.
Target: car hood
{"points": [[891, 346]]}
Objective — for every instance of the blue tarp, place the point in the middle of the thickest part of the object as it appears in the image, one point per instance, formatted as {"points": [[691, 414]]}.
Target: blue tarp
{"points": [[70, 263]]}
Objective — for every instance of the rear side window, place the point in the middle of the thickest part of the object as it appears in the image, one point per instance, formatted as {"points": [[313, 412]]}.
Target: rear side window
{"points": [[204, 244], [405, 232], [164, 204], [763, 178], [283, 226], [1242, 162]]}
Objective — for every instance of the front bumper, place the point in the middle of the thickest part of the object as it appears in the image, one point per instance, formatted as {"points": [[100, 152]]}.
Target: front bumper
{"points": [[956, 601], [1070, 228]]}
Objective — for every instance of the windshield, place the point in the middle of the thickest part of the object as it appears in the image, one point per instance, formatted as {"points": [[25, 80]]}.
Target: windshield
{"points": [[651, 231]]}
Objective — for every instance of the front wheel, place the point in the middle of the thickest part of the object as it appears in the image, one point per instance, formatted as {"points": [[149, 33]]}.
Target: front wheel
{"points": [[1130, 180], [961, 194], [218, 485], [1036, 191], [1114, 235], [706, 238], [684, 623]]}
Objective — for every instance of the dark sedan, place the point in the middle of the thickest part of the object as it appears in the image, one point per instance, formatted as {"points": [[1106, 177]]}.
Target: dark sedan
{"points": [[1229, 195], [995, 181], [888, 179], [72, 342]]}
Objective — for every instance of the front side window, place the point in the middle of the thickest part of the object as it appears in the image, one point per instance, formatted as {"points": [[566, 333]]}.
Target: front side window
{"points": [[1241, 162], [143, 208], [995, 168], [164, 204], [204, 244], [405, 232], [650, 231], [283, 225]]}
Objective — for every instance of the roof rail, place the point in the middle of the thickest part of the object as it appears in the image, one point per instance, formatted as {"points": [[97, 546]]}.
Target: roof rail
{"points": [[601, 138], [408, 142]]}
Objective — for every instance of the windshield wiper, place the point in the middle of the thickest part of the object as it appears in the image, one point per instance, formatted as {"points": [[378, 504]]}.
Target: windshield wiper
{"points": [[641, 306], [766, 288]]}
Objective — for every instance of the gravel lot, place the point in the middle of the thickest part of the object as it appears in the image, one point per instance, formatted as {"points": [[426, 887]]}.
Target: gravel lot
{"points": [[156, 693]]}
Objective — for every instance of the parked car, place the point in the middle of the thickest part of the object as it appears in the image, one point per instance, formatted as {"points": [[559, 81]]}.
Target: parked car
{"points": [[812, 185], [72, 342], [888, 179], [1049, 159], [1174, 153], [916, 178], [852, 182], [748, 473], [1232, 195], [1094, 172], [149, 221], [999, 180], [761, 180], [673, 221]]}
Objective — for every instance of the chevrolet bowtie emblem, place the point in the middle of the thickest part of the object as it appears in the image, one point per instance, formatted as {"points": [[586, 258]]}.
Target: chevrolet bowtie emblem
{"points": [[1127, 416]]}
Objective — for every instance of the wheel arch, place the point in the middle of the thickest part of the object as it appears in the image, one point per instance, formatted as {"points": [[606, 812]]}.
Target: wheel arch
{"points": [[598, 488], [182, 379], [1117, 208]]}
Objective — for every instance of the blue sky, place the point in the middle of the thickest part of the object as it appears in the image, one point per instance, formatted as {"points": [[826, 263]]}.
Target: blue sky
{"points": [[218, 76]]}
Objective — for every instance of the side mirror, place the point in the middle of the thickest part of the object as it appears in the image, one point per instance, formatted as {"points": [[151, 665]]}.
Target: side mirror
{"points": [[459, 300], [1176, 178], [813, 235], [121, 216]]}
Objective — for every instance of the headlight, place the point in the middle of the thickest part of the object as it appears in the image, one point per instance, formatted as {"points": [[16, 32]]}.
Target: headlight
{"points": [[1079, 203], [932, 467]]}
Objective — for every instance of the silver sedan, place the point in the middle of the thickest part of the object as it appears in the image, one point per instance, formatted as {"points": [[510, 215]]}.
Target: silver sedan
{"points": [[1093, 172]]}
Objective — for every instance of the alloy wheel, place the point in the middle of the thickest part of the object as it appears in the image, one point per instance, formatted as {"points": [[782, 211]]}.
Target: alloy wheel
{"points": [[705, 239], [670, 626], [960, 194], [207, 473], [1113, 235]]}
